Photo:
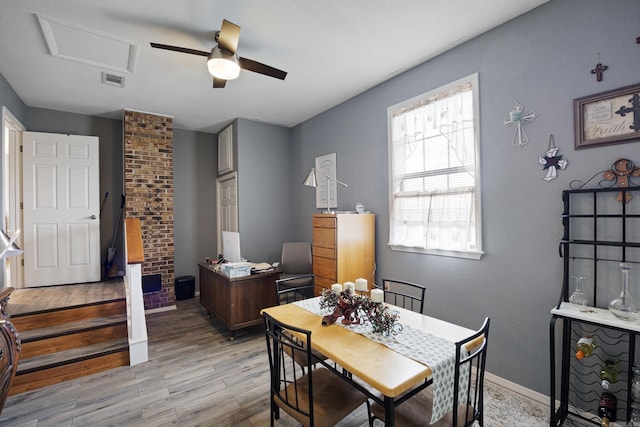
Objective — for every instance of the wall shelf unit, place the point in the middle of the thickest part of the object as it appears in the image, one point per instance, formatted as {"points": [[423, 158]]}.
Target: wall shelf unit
{"points": [[600, 232]]}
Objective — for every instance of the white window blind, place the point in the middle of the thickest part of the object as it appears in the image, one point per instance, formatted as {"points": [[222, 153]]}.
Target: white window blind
{"points": [[435, 184]]}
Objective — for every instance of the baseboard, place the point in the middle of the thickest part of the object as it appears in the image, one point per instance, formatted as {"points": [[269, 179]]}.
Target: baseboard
{"points": [[517, 388], [160, 309]]}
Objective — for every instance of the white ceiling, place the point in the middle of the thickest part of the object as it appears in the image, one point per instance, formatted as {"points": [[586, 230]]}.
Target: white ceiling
{"points": [[332, 50]]}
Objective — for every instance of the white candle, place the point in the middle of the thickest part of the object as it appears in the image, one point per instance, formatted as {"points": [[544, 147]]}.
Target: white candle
{"points": [[336, 287], [361, 285], [349, 287], [377, 295]]}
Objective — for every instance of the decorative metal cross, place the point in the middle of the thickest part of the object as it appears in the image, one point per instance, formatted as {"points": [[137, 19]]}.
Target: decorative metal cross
{"points": [[516, 117], [635, 109], [551, 161], [599, 70]]}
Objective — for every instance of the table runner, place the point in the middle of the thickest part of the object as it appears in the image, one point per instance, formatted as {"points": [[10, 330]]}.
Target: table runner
{"points": [[433, 351]]}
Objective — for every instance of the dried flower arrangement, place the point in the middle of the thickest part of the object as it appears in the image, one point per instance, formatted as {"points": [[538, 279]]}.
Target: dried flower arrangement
{"points": [[358, 309]]}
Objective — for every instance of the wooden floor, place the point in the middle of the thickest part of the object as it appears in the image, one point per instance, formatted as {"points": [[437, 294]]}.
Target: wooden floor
{"points": [[32, 300], [195, 376]]}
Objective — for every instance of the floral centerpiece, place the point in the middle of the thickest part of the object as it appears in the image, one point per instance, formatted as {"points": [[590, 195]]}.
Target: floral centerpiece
{"points": [[358, 309]]}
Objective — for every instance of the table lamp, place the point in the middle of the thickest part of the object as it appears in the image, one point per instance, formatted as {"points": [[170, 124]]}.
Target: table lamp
{"points": [[311, 182]]}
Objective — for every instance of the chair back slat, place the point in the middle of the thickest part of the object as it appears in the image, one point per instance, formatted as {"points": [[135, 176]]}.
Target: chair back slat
{"points": [[286, 375], [471, 351], [404, 294]]}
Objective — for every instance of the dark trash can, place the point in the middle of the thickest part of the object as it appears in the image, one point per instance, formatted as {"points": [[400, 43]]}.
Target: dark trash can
{"points": [[185, 287]]}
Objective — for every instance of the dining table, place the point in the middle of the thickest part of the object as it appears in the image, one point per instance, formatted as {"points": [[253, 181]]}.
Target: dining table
{"points": [[383, 362]]}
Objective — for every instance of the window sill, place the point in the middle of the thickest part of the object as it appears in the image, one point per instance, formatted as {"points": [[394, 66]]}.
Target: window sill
{"points": [[474, 255]]}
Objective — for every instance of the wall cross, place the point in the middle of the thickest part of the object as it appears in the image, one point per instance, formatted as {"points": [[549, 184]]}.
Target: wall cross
{"points": [[635, 109]]}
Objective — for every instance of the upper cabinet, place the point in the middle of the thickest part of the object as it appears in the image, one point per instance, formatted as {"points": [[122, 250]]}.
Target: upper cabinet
{"points": [[225, 150]]}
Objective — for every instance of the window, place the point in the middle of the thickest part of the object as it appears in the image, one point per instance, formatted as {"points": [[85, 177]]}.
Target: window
{"points": [[434, 172]]}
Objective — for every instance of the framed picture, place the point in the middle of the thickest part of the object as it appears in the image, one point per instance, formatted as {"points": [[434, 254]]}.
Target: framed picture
{"points": [[326, 166], [610, 117]]}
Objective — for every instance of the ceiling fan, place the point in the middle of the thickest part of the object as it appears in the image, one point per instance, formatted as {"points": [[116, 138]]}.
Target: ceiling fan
{"points": [[223, 62]]}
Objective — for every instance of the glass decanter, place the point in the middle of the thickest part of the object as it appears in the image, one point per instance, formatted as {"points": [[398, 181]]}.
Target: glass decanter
{"points": [[578, 297], [625, 306]]}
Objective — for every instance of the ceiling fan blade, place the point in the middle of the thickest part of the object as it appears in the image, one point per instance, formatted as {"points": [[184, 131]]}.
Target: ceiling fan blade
{"points": [[258, 67], [228, 36], [180, 49], [218, 83]]}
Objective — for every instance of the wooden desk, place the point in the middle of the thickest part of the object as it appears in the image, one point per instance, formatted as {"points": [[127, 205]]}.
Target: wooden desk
{"points": [[238, 301], [385, 370]]}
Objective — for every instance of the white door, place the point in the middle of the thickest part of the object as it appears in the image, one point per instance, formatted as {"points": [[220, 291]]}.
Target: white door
{"points": [[227, 205], [61, 209]]}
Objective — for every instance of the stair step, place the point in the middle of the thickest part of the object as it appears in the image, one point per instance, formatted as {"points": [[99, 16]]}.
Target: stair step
{"points": [[47, 318], [73, 355], [63, 343], [40, 342], [80, 366], [71, 327]]}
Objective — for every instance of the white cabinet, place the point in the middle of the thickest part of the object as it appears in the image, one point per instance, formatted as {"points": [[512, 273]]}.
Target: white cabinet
{"points": [[225, 150]]}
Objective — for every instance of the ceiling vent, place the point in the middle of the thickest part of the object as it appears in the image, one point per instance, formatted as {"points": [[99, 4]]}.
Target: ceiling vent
{"points": [[112, 79]]}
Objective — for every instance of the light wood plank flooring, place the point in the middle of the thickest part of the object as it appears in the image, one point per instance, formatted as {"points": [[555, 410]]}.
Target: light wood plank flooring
{"points": [[195, 376], [31, 300]]}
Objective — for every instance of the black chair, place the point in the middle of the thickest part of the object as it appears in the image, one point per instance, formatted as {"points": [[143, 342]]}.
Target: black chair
{"points": [[318, 397], [295, 288], [287, 294], [404, 294], [416, 411]]}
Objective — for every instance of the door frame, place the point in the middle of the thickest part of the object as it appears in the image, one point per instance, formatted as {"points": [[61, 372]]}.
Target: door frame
{"points": [[12, 184]]}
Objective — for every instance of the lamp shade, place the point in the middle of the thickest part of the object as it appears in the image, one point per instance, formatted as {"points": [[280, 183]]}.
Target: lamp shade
{"points": [[223, 65], [311, 179], [8, 248]]}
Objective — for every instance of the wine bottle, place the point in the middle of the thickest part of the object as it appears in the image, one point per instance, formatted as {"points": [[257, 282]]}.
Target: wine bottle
{"points": [[607, 408], [608, 374], [585, 347]]}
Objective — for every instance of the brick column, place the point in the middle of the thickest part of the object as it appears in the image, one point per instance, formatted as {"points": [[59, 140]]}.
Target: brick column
{"points": [[148, 182]]}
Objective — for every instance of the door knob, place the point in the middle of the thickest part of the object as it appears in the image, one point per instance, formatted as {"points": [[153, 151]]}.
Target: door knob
{"points": [[93, 217]]}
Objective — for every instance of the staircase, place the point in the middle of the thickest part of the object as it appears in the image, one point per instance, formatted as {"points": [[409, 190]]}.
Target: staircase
{"points": [[61, 344]]}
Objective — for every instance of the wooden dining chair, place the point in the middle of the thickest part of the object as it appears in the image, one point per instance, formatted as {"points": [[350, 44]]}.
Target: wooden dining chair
{"points": [[471, 352], [313, 397], [404, 294]]}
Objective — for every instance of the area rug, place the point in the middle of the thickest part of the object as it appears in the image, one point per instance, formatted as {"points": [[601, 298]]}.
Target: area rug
{"points": [[504, 408]]}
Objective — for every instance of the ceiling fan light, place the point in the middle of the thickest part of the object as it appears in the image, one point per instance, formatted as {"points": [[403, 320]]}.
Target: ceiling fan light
{"points": [[223, 65]]}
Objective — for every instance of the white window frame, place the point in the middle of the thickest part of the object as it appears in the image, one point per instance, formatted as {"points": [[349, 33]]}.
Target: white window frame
{"points": [[468, 253]]}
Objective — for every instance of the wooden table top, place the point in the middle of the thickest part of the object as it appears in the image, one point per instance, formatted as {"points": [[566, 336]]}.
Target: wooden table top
{"points": [[387, 371]]}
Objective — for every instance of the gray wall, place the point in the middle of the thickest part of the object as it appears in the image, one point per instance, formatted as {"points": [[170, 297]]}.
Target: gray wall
{"points": [[544, 60], [195, 160], [264, 178]]}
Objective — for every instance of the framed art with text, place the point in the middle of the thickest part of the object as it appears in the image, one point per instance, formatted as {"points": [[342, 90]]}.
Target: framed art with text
{"points": [[610, 117], [326, 188]]}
